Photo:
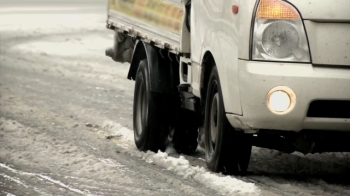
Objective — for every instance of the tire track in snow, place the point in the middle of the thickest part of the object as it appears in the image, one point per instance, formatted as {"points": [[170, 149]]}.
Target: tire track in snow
{"points": [[14, 180], [19, 182], [41, 176]]}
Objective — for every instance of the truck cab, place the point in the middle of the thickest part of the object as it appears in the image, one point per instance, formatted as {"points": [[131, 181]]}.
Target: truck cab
{"points": [[242, 73]]}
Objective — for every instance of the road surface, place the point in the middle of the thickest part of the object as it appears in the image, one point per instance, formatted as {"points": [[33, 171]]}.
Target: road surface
{"points": [[61, 98]]}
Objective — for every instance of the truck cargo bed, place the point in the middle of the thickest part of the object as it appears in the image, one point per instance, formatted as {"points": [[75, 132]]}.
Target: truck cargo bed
{"points": [[153, 21]]}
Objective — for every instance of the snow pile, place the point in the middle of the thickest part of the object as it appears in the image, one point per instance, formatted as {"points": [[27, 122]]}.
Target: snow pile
{"points": [[225, 185], [116, 130]]}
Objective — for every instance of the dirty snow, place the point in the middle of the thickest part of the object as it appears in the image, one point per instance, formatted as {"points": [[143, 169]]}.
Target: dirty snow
{"points": [[274, 163], [78, 163], [64, 158], [36, 175], [226, 185]]}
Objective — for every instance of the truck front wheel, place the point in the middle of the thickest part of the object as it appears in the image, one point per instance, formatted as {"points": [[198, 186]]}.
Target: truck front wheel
{"points": [[147, 113], [225, 149]]}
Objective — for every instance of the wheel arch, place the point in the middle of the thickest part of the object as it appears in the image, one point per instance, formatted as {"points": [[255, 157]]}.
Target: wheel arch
{"points": [[139, 53], [208, 62], [229, 77]]}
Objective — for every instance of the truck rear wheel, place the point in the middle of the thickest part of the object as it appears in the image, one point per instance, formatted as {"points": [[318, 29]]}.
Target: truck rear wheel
{"points": [[186, 133], [225, 149], [147, 112]]}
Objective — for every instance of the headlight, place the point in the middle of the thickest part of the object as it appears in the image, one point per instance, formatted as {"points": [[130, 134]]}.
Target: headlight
{"points": [[279, 33]]}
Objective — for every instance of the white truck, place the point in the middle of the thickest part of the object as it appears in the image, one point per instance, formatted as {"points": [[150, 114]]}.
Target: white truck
{"points": [[268, 73]]}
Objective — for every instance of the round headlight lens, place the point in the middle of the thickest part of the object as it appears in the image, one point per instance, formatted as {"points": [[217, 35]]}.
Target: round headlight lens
{"points": [[280, 39]]}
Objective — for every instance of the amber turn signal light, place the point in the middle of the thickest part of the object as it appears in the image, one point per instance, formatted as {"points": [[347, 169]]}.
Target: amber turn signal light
{"points": [[276, 9]]}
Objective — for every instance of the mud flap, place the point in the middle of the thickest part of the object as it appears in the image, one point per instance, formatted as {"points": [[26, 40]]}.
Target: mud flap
{"points": [[164, 74]]}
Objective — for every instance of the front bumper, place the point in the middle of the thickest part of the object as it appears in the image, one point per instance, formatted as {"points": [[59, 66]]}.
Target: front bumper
{"points": [[308, 82]]}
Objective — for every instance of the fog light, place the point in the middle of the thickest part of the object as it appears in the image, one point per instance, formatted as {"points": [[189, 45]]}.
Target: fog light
{"points": [[281, 100]]}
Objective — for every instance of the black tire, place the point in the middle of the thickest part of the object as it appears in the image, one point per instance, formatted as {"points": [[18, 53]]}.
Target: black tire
{"points": [[186, 133], [227, 151], [147, 113]]}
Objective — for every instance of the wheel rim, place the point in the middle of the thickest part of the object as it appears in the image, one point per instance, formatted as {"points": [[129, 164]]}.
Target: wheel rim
{"points": [[141, 108], [213, 121], [214, 118]]}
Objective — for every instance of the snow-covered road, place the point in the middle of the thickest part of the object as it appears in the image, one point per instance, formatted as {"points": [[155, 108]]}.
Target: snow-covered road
{"points": [[61, 98]]}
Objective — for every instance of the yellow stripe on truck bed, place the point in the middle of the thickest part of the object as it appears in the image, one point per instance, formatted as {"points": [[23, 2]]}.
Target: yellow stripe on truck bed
{"points": [[154, 12]]}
